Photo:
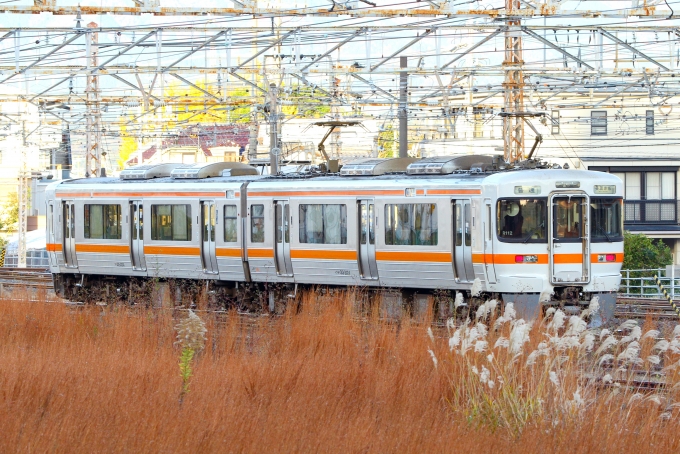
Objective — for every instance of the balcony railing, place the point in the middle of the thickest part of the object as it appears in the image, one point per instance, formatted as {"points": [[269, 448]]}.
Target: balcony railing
{"points": [[651, 212]]}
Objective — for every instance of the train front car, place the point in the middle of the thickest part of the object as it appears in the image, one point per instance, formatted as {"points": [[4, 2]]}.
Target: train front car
{"points": [[558, 238]]}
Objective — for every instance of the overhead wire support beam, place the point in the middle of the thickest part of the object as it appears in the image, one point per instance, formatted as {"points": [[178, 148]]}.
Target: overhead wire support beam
{"points": [[44, 57], [50, 89], [7, 35], [144, 38], [646, 11], [265, 49], [377, 89], [618, 92], [476, 103], [250, 83], [630, 48], [336, 47], [555, 47], [116, 76], [195, 86], [445, 89], [463, 54], [193, 51], [411, 43], [315, 87]]}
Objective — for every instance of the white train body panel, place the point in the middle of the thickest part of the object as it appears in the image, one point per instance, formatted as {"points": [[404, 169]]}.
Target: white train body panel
{"points": [[517, 232]]}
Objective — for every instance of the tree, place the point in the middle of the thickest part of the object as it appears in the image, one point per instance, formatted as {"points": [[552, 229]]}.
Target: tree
{"points": [[642, 253], [9, 212], [386, 141]]}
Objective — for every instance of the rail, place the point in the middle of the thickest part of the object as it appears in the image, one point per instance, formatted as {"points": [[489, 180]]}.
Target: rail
{"points": [[637, 298]]}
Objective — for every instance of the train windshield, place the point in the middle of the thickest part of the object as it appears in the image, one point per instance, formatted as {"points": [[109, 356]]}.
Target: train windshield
{"points": [[521, 220], [605, 219]]}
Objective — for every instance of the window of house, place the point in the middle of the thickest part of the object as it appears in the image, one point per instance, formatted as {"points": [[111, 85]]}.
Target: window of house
{"points": [[555, 117], [171, 222], [323, 224], [659, 185], [412, 224], [102, 222], [598, 123], [649, 122]]}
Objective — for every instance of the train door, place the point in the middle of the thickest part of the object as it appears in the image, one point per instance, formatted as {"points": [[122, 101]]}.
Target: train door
{"points": [[137, 235], [462, 243], [208, 252], [69, 234], [367, 264], [488, 242], [569, 239], [284, 266], [51, 240]]}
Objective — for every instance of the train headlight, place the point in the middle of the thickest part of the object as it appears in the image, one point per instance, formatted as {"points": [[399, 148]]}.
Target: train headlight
{"points": [[526, 258], [606, 258]]}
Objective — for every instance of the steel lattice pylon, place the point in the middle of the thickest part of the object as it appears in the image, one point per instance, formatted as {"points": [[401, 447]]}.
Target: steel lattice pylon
{"points": [[93, 159], [513, 126]]}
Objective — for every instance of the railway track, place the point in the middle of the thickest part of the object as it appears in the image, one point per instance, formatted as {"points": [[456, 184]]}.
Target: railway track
{"points": [[32, 279], [25, 277], [627, 307]]}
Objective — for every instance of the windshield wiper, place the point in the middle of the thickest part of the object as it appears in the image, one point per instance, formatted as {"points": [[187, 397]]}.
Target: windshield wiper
{"points": [[532, 231], [605, 233]]}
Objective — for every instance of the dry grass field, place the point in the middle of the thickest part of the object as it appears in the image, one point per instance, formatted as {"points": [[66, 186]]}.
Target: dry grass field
{"points": [[321, 380]]}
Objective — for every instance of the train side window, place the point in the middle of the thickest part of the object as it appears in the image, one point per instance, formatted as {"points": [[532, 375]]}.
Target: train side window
{"points": [[522, 220], [323, 224], [171, 222], [102, 222], [257, 223], [230, 223], [413, 224]]}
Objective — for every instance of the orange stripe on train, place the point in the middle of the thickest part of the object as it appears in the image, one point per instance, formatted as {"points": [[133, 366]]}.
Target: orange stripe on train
{"points": [[331, 254], [53, 247], [403, 256], [260, 253], [172, 250], [228, 252], [67, 195], [103, 248]]}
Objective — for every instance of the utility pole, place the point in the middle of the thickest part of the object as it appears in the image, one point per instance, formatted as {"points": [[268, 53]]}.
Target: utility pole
{"points": [[22, 196], [513, 123], [93, 158], [274, 150], [403, 108]]}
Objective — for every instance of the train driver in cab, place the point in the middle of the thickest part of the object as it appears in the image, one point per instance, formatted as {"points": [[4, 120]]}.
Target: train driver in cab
{"points": [[512, 221]]}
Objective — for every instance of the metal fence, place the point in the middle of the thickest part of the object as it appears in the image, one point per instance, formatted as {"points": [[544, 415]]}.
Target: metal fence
{"points": [[35, 258], [640, 283]]}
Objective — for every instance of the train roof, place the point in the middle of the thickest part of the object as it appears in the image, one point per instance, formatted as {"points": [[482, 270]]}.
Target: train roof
{"points": [[508, 183], [462, 176]]}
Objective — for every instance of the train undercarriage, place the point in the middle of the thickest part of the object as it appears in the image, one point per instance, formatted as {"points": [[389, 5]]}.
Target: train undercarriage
{"points": [[257, 297]]}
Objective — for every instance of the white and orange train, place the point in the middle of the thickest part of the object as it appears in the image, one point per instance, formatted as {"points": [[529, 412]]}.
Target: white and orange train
{"points": [[530, 236]]}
